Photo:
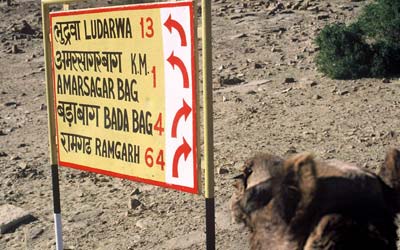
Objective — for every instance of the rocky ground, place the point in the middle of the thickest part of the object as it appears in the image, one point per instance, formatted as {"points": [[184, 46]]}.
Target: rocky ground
{"points": [[268, 97]]}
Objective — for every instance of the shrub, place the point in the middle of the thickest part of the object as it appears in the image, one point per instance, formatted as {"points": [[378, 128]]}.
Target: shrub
{"points": [[381, 20], [367, 47], [386, 59], [343, 53]]}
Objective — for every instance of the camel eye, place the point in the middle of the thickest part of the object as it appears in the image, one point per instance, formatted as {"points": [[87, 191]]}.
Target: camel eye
{"points": [[248, 172]]}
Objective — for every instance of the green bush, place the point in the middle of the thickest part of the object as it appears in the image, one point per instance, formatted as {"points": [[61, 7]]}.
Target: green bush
{"points": [[343, 52], [386, 59], [381, 20], [367, 47]]}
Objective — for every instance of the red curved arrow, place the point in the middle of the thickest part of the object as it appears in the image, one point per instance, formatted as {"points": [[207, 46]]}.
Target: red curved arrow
{"points": [[173, 60], [171, 23], [184, 111], [183, 149]]}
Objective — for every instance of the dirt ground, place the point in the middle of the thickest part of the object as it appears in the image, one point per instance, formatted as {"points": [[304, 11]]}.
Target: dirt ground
{"points": [[268, 97]]}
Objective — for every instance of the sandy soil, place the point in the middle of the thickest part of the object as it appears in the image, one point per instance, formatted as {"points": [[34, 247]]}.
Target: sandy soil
{"points": [[268, 97]]}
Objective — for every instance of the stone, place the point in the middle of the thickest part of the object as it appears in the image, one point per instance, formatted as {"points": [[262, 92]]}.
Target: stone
{"points": [[15, 158], [308, 83], [313, 8], [317, 97], [276, 8], [11, 217], [10, 103], [35, 233], [26, 28], [286, 90], [289, 80], [291, 150], [249, 50], [145, 223], [323, 16], [259, 65], [136, 191], [243, 35], [3, 154], [238, 100], [223, 170], [230, 80], [392, 134], [252, 110], [23, 165], [345, 7], [134, 203]]}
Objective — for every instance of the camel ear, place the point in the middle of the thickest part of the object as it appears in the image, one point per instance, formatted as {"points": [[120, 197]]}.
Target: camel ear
{"points": [[304, 171], [390, 172], [305, 167]]}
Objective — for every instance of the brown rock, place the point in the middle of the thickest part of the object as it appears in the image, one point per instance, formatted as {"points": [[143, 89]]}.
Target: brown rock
{"points": [[317, 97], [134, 203], [223, 170], [289, 80], [323, 16]]}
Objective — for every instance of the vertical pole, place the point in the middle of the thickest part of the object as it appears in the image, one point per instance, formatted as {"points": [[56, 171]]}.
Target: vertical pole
{"points": [[51, 126], [57, 207], [208, 124]]}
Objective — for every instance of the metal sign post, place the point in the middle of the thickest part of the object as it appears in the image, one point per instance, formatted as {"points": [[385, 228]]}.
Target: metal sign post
{"points": [[208, 124], [51, 125]]}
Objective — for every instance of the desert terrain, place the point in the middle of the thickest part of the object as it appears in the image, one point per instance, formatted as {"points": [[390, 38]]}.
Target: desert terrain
{"points": [[268, 97]]}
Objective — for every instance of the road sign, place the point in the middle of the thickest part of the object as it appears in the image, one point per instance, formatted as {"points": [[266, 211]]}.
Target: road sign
{"points": [[125, 92]]}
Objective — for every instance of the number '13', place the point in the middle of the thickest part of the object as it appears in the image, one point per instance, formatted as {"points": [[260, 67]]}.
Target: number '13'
{"points": [[147, 27]]}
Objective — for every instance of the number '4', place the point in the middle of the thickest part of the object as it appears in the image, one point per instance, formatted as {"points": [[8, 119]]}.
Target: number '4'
{"points": [[159, 125], [160, 160]]}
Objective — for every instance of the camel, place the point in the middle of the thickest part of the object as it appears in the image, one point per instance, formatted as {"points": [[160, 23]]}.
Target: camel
{"points": [[304, 203]]}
